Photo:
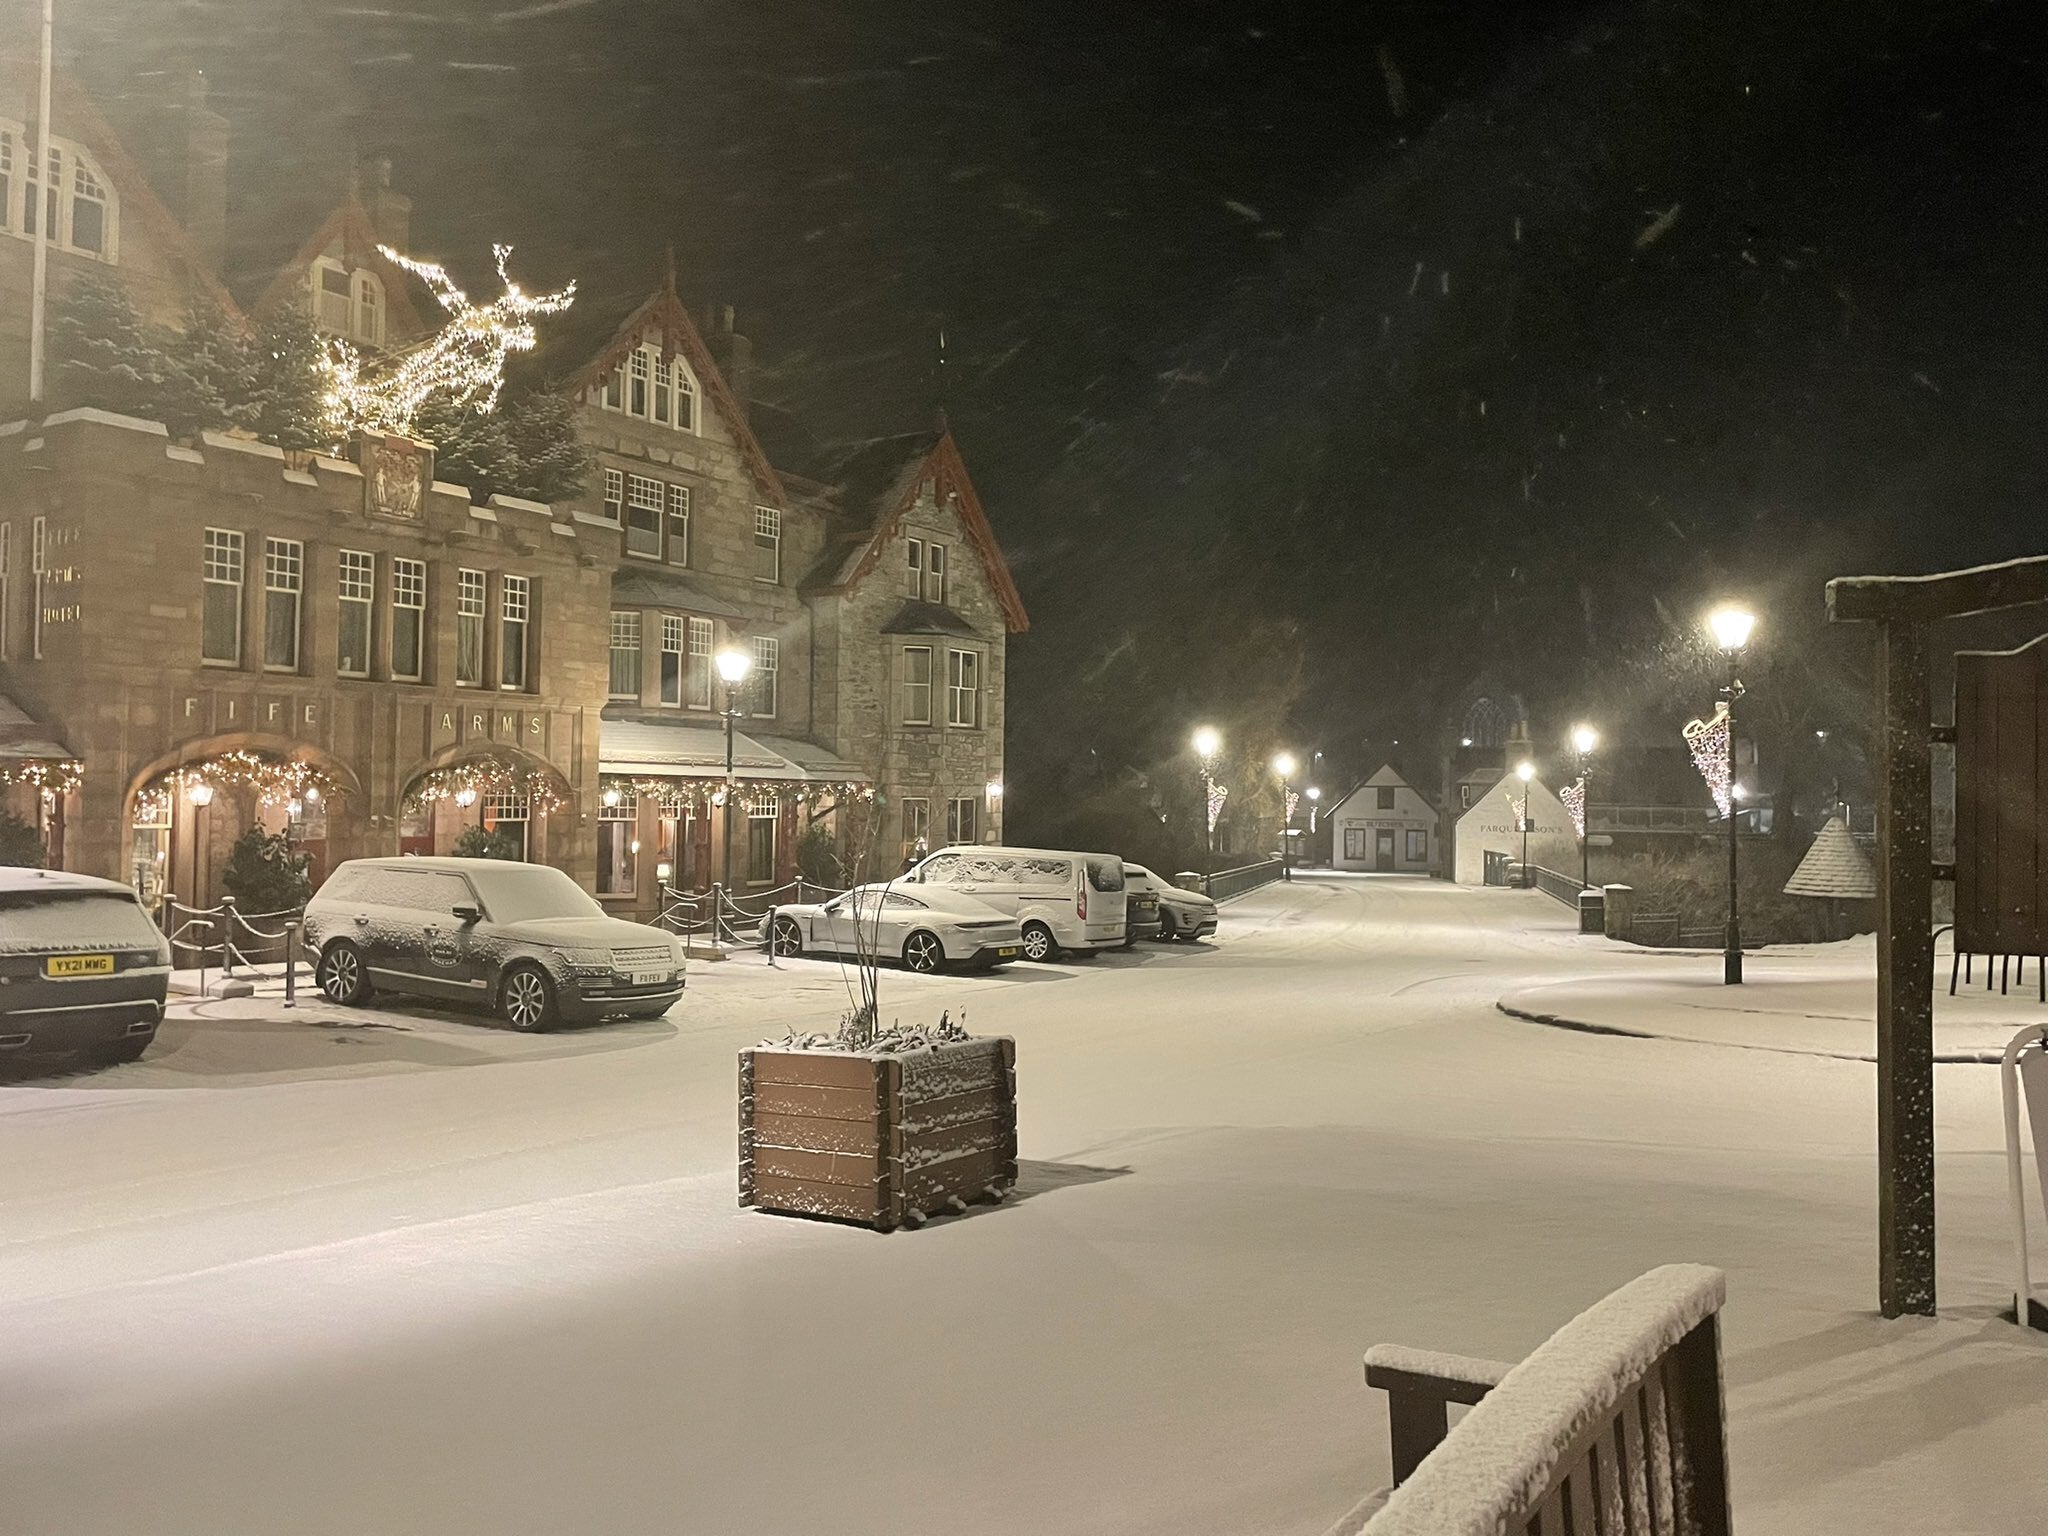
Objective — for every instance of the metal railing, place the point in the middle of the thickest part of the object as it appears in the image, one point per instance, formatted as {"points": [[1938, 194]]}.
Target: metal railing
{"points": [[1564, 888], [717, 916], [224, 938], [1226, 883]]}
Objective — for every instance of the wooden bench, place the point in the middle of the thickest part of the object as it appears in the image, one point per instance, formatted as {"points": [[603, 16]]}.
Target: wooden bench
{"points": [[1612, 1427]]}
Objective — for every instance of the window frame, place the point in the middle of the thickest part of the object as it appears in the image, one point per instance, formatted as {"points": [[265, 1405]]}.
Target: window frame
{"points": [[234, 540], [626, 637], [1417, 835], [613, 508], [284, 560], [764, 808], [911, 687], [697, 674], [917, 822], [914, 564], [408, 579], [509, 588], [963, 681], [6, 569], [365, 604], [644, 494], [768, 541], [934, 572], [963, 819], [767, 671], [472, 614], [676, 527], [621, 822]]}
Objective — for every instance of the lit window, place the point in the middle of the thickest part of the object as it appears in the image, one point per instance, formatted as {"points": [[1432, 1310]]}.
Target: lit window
{"points": [[221, 626], [348, 301], [618, 841], [763, 812], [699, 696], [963, 688], [408, 618], [679, 525], [645, 499], [767, 650], [625, 654], [356, 587], [767, 544], [506, 812], [469, 629], [917, 685], [284, 567], [515, 599]]}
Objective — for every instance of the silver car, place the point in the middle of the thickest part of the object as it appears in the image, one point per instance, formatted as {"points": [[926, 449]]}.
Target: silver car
{"points": [[927, 927], [523, 939]]}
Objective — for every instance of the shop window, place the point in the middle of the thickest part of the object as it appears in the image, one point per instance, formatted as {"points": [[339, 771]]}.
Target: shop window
{"points": [[618, 841], [764, 814]]}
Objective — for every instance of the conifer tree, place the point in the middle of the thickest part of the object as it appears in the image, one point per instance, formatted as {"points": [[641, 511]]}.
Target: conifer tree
{"points": [[105, 355], [554, 462], [289, 386], [210, 380]]}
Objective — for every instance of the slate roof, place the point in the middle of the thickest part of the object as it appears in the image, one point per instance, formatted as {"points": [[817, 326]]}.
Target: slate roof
{"points": [[922, 618], [655, 588], [23, 738], [1835, 868]]}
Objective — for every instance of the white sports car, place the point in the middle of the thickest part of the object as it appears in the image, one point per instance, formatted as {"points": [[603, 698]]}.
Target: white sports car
{"points": [[927, 928]]}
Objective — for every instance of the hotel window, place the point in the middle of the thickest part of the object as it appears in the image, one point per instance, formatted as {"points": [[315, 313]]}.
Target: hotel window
{"points": [[917, 685], [679, 525], [935, 573], [963, 688], [767, 544], [469, 629], [356, 587], [672, 648], [220, 638], [515, 599], [654, 387], [44, 206], [625, 651], [699, 696], [88, 211], [614, 494], [618, 841], [767, 651], [917, 825], [408, 618], [961, 818], [348, 302], [763, 812], [284, 574], [644, 502], [914, 551]]}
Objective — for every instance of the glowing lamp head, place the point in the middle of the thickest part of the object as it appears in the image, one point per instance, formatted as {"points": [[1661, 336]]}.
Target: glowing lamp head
{"points": [[611, 795], [199, 794], [1525, 771], [1284, 765], [1208, 741], [1313, 793], [1584, 739], [733, 666], [465, 798], [312, 795], [1731, 626], [995, 789]]}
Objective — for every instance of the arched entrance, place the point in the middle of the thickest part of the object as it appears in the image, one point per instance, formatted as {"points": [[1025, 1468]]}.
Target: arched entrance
{"points": [[185, 809], [488, 801]]}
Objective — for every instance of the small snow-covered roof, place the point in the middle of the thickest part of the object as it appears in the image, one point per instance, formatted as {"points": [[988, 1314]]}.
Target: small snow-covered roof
{"points": [[1834, 868]]}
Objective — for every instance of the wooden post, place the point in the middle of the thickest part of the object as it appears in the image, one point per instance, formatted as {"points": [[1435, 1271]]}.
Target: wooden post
{"points": [[1905, 975]]}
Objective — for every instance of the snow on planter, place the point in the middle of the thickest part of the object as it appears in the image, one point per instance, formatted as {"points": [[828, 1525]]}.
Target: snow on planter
{"points": [[882, 1134]]}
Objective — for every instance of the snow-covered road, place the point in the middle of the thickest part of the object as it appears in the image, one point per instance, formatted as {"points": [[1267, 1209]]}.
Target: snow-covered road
{"points": [[388, 1273]]}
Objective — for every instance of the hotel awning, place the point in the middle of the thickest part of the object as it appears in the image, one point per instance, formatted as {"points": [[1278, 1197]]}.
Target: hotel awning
{"points": [[30, 751], [685, 749]]}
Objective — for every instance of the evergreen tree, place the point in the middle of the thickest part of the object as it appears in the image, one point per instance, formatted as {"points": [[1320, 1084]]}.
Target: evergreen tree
{"points": [[210, 378], [20, 844], [527, 447], [105, 355], [469, 449], [540, 426], [265, 873], [288, 389]]}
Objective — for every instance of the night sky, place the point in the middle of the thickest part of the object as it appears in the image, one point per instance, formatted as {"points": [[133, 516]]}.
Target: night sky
{"points": [[1316, 364]]}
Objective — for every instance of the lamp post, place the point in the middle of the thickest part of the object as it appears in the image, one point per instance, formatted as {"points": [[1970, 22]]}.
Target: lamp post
{"points": [[1584, 740], [995, 810], [733, 667], [1284, 765], [1207, 742], [1525, 771], [1315, 796], [1731, 627]]}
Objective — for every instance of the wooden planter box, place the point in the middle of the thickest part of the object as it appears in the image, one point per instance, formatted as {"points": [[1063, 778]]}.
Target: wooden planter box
{"points": [[876, 1137]]}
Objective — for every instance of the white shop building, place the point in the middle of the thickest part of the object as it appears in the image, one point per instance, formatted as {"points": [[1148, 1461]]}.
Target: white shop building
{"points": [[1385, 824], [1492, 831]]}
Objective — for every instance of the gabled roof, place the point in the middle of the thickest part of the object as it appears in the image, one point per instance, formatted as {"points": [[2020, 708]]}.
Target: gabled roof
{"points": [[663, 317], [877, 483], [1386, 774], [349, 227], [917, 617]]}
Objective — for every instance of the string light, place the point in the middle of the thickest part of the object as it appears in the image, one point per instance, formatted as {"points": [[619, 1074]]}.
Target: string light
{"points": [[680, 795], [463, 362], [1573, 796], [1707, 740], [276, 780], [488, 776], [1217, 794], [51, 775]]}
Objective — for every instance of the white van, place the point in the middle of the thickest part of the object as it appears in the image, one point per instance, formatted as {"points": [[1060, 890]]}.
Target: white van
{"points": [[1063, 900]]}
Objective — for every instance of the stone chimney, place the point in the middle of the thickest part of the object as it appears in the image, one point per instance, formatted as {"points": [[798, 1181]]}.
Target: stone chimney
{"points": [[390, 212], [200, 183], [733, 353]]}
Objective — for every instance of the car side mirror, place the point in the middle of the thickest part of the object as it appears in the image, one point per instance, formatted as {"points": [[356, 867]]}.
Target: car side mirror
{"points": [[469, 914]]}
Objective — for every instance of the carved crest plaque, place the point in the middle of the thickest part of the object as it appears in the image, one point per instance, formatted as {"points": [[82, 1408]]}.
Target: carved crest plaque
{"points": [[396, 474]]}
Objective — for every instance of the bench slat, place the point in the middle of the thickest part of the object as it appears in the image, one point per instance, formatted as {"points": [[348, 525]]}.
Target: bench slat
{"points": [[1635, 1487]]}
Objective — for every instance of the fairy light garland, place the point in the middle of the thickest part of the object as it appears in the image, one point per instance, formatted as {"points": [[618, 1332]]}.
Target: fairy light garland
{"points": [[53, 776], [276, 780], [463, 362], [1217, 794], [676, 796], [1707, 740], [484, 776], [1573, 797]]}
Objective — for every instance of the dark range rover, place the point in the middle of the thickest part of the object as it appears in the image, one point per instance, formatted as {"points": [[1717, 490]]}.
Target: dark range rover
{"points": [[523, 939], [83, 969]]}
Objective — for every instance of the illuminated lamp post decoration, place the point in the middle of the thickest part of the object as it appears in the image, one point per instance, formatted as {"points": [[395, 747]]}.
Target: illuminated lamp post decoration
{"points": [[1207, 742], [1284, 765], [1574, 796], [1525, 771], [1731, 628]]}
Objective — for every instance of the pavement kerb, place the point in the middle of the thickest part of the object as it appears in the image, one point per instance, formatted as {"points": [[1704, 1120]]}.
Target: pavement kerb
{"points": [[1586, 1027]]}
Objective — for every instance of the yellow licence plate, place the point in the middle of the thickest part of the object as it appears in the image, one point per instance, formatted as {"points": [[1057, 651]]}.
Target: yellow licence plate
{"points": [[78, 965]]}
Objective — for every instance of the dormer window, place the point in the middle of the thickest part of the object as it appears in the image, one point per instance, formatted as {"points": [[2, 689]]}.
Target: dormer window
{"points": [[651, 387], [348, 302], [71, 197]]}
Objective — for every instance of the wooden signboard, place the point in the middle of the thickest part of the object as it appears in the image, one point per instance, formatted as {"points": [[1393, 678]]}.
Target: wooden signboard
{"points": [[2001, 796]]}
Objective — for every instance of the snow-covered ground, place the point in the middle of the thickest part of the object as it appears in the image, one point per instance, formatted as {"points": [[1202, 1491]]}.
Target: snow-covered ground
{"points": [[391, 1273]]}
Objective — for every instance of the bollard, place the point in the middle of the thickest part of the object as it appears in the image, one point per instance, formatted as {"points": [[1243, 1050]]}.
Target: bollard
{"points": [[1592, 912], [291, 963], [1618, 913], [227, 937]]}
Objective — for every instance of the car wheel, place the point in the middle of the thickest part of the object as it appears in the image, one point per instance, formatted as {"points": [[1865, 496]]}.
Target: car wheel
{"points": [[526, 999], [120, 1051], [341, 975], [1038, 942], [785, 939], [923, 953], [1167, 932]]}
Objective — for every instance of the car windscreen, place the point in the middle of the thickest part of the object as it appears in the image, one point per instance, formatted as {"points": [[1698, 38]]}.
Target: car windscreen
{"points": [[528, 893], [74, 920], [1105, 875]]}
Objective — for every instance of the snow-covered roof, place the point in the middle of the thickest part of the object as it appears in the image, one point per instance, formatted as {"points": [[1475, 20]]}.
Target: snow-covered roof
{"points": [[1834, 868]]}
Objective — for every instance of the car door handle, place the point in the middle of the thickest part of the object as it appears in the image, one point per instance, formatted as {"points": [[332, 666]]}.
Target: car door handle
{"points": [[362, 920]]}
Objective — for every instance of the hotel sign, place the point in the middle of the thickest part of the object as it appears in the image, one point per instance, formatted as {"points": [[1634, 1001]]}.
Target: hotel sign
{"points": [[60, 584]]}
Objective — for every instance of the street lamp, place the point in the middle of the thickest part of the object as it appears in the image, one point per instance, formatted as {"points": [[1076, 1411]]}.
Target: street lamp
{"points": [[1284, 765], [994, 790], [733, 667], [1525, 771], [1584, 740], [1315, 796], [1207, 742], [1731, 627]]}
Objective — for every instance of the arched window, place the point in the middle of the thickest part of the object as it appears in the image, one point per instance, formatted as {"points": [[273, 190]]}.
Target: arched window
{"points": [[348, 301], [652, 387], [1486, 724], [70, 196]]}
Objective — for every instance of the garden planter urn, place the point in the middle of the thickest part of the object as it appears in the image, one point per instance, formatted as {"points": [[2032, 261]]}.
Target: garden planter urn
{"points": [[875, 1136]]}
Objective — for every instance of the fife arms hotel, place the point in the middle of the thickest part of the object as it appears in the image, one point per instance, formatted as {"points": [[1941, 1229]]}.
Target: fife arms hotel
{"points": [[197, 633]]}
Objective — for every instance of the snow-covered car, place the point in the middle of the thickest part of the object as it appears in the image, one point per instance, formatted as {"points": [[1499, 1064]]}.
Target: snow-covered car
{"points": [[1182, 914], [523, 939], [927, 928], [1066, 901], [83, 969]]}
